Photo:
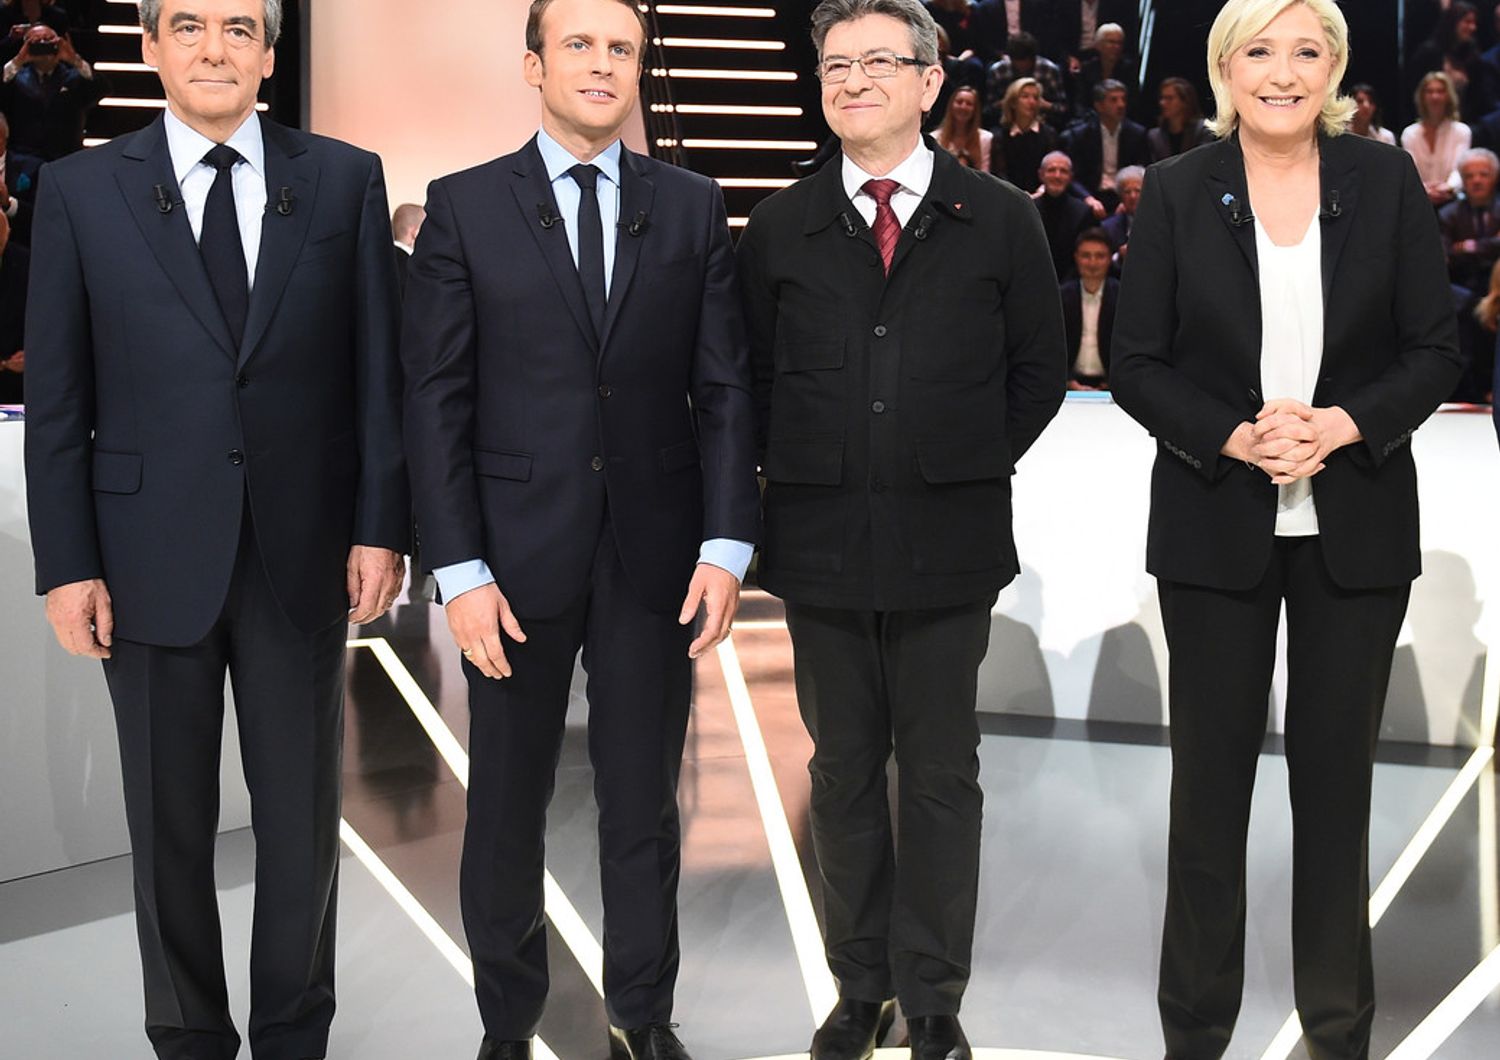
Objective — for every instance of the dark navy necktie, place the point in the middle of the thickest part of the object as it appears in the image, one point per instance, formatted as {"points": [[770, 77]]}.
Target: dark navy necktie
{"points": [[219, 243], [590, 241]]}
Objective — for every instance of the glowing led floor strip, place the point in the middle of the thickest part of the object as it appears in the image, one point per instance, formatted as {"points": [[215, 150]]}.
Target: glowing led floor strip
{"points": [[418, 915], [822, 994], [564, 916], [979, 1054], [1458, 1006]]}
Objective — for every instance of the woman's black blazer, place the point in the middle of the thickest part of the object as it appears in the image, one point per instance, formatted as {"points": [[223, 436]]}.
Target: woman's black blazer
{"points": [[1186, 361]]}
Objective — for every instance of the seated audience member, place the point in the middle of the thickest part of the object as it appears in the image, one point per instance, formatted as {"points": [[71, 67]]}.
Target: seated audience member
{"points": [[1075, 27], [997, 22], [1487, 316], [956, 18], [1471, 236], [1180, 126], [1367, 121], [15, 264], [1023, 138], [1104, 143], [1064, 216], [19, 174], [1437, 137], [1452, 49], [1116, 226], [1023, 62], [960, 134], [48, 92], [957, 72], [406, 222], [1089, 302], [1109, 62], [18, 16]]}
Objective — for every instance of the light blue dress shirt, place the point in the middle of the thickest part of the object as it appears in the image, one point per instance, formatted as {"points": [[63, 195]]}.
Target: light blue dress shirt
{"points": [[187, 146], [733, 556]]}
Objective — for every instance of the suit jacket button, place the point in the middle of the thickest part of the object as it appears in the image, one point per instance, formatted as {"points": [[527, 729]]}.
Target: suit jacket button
{"points": [[242, 381], [236, 457], [597, 463], [877, 407], [880, 330], [877, 485], [605, 391]]}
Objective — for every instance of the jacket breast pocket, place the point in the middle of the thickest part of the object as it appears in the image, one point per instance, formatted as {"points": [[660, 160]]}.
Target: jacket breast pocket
{"points": [[678, 457], [809, 355], [116, 472]]}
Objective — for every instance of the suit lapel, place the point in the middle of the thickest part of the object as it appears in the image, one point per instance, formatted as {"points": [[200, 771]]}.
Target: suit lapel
{"points": [[534, 198], [1339, 180], [288, 165], [147, 163], [637, 192], [1231, 198]]}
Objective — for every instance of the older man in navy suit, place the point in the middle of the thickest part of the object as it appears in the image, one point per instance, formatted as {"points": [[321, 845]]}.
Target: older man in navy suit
{"points": [[215, 479], [581, 437]]}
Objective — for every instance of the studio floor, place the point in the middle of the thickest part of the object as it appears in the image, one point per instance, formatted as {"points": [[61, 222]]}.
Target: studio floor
{"points": [[1069, 913]]}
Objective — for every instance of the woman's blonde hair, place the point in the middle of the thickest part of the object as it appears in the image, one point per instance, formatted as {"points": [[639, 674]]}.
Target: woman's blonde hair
{"points": [[1241, 21], [1013, 96], [1450, 109]]}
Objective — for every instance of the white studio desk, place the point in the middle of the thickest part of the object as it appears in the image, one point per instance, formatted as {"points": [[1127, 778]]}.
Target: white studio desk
{"points": [[1076, 636]]}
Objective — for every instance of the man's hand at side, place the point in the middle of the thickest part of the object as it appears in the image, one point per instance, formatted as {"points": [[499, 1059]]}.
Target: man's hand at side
{"points": [[83, 617], [718, 592], [475, 619], [374, 578]]}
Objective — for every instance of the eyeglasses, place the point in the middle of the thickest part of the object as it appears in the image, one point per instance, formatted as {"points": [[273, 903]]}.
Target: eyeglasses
{"points": [[877, 65]]}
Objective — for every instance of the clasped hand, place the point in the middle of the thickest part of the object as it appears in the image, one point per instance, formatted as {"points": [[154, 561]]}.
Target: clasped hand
{"points": [[1290, 440]]}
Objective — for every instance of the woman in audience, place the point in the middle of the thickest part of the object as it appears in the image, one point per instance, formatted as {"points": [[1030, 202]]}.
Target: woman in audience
{"points": [[1453, 50], [1367, 120], [1283, 478], [1181, 126], [1437, 138], [1023, 139], [960, 134]]}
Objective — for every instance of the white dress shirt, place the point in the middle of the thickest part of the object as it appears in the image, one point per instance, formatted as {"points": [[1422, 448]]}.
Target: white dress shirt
{"points": [[1109, 143], [195, 177], [1088, 361], [1012, 17], [1291, 348], [1088, 23], [914, 174], [1439, 165]]}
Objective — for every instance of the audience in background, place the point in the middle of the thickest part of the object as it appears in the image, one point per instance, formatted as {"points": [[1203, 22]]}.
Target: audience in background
{"points": [[1437, 137], [406, 222], [1367, 121], [18, 16], [48, 92], [15, 264], [1109, 62], [1104, 143], [1024, 62], [1023, 138], [1471, 238], [19, 174], [1075, 25], [1089, 303], [1180, 127], [1064, 216], [998, 21], [1116, 227], [1452, 50], [960, 133]]}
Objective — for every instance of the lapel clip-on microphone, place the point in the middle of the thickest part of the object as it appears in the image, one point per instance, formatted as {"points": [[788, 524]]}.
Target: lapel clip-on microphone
{"points": [[923, 226], [164, 201], [1236, 218], [1334, 209], [285, 200], [849, 229], [638, 224], [546, 216]]}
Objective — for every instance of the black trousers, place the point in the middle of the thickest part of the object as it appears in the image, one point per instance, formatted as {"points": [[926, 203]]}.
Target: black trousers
{"points": [[898, 911], [639, 689], [1222, 653], [169, 709]]}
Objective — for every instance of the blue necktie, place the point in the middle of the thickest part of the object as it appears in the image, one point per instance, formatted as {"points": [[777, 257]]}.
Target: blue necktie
{"points": [[590, 242], [220, 244]]}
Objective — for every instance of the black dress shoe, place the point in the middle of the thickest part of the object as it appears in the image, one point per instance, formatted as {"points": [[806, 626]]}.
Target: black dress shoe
{"points": [[494, 1049], [655, 1041], [852, 1029], [937, 1038]]}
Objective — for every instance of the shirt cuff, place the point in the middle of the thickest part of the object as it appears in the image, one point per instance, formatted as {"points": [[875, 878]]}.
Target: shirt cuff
{"points": [[727, 554], [458, 578], [14, 208]]}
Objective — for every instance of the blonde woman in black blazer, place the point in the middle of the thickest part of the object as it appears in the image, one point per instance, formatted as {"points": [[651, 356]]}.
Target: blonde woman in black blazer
{"points": [[1268, 493]]}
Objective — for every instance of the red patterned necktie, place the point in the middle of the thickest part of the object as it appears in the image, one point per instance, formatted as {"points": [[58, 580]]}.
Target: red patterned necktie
{"points": [[886, 228]]}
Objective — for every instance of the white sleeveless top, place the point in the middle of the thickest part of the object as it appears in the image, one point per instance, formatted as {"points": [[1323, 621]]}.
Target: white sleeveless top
{"points": [[1291, 348]]}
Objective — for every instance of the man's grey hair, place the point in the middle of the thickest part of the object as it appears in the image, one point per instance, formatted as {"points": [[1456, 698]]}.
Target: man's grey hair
{"points": [[151, 20], [1130, 173], [924, 42], [1479, 154]]}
